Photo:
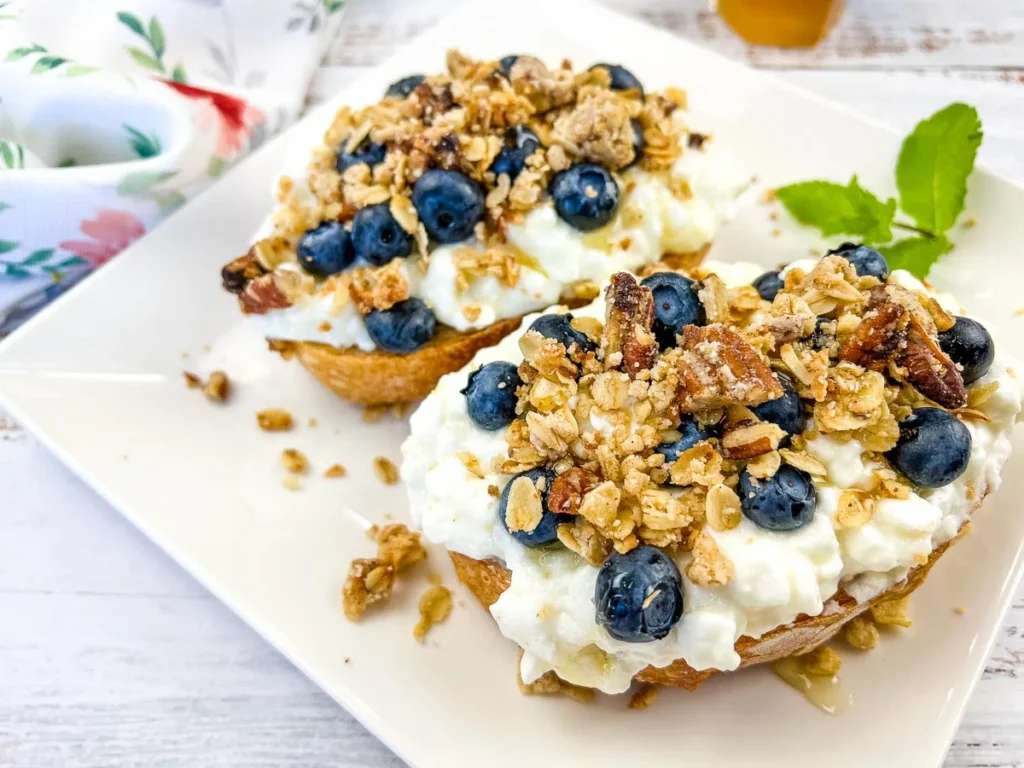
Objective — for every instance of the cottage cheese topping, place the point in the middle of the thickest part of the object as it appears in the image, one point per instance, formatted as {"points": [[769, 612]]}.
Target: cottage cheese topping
{"points": [[549, 607], [652, 220]]}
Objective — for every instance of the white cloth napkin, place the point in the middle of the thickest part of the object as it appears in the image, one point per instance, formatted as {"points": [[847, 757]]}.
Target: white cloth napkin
{"points": [[114, 112]]}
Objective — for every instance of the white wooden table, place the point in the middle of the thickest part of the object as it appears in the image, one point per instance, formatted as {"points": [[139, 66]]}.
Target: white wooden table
{"points": [[110, 655]]}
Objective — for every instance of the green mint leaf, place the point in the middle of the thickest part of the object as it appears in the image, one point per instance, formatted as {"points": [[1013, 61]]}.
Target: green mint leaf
{"points": [[156, 37], [835, 209], [934, 163], [132, 22], [916, 254]]}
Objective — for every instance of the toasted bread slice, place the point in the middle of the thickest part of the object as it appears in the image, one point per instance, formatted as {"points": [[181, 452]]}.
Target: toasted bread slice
{"points": [[382, 378], [379, 377], [487, 579]]}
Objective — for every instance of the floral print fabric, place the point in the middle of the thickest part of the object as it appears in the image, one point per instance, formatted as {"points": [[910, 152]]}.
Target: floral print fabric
{"points": [[115, 112]]}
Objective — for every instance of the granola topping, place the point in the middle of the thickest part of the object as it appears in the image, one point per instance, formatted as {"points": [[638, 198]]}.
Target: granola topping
{"points": [[595, 419], [521, 255]]}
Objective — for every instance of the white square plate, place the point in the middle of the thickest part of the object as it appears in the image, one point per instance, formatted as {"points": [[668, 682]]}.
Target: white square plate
{"points": [[98, 378]]}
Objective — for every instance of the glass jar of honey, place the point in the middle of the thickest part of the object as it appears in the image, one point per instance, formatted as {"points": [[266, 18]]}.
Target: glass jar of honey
{"points": [[783, 23]]}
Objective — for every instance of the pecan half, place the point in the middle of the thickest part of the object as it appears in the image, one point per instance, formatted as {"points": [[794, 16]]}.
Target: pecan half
{"points": [[568, 489], [262, 295], [630, 314], [238, 273], [880, 335], [933, 374], [718, 368]]}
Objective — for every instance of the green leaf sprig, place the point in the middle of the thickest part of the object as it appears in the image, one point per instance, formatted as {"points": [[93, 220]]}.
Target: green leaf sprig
{"points": [[934, 164]]}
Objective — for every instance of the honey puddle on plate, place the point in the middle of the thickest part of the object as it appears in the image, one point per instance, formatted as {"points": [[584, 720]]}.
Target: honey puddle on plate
{"points": [[825, 692]]}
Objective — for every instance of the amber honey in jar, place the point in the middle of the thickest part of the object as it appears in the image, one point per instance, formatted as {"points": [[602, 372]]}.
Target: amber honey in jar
{"points": [[784, 23]]}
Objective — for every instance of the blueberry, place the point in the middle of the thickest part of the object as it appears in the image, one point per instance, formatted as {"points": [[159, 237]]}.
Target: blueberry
{"points": [[505, 63], [867, 261], [786, 411], [520, 143], [783, 502], [326, 250], [692, 433], [449, 204], [546, 531], [970, 346], [586, 196], [367, 152], [491, 395], [933, 449], [405, 327], [558, 327], [769, 284], [400, 89], [639, 144], [675, 304], [638, 595], [622, 78], [377, 237]]}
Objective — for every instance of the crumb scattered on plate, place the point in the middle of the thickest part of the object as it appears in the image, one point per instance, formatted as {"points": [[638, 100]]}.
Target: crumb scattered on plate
{"points": [[385, 470], [335, 470], [294, 461], [370, 580], [217, 387], [274, 420], [291, 482]]}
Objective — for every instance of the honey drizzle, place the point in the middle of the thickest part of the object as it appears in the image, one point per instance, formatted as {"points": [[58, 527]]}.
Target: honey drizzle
{"points": [[827, 693]]}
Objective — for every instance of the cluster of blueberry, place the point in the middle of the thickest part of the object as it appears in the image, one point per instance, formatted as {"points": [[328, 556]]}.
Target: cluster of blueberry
{"points": [[450, 204], [638, 595]]}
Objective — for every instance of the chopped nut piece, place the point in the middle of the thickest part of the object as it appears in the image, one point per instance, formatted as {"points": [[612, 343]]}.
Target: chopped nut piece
{"points": [[892, 612], [192, 381], [385, 470], [861, 633], [627, 329], [643, 697], [568, 490], [335, 470], [369, 581], [822, 661], [274, 420], [294, 461], [718, 368], [749, 440], [435, 605]]}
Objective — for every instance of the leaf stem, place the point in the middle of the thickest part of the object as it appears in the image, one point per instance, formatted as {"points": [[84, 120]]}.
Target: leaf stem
{"points": [[911, 228]]}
